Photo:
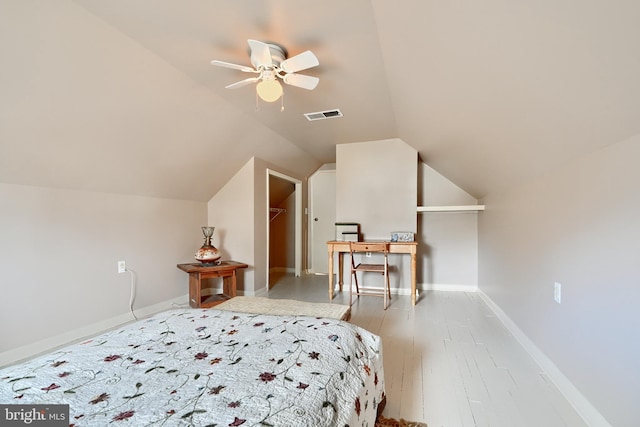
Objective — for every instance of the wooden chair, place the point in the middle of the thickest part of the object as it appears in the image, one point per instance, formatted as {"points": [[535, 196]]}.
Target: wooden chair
{"points": [[359, 249]]}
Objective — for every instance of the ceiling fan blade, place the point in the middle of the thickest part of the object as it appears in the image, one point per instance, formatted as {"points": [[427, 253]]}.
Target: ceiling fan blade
{"points": [[300, 62], [260, 53], [241, 83], [300, 80], [234, 66]]}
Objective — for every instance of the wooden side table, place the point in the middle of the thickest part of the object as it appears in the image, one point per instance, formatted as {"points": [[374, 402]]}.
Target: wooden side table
{"points": [[197, 272]]}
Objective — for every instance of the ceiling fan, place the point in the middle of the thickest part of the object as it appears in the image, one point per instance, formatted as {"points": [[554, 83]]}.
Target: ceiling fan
{"points": [[270, 62]]}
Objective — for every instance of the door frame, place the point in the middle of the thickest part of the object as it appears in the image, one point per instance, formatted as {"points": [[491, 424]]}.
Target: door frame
{"points": [[298, 222]]}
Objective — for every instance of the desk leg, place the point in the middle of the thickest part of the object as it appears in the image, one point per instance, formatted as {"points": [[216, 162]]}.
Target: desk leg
{"points": [[330, 274], [413, 279], [340, 269], [194, 290]]}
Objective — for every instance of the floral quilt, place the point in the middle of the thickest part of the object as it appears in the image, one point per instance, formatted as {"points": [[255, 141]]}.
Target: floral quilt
{"points": [[208, 367]]}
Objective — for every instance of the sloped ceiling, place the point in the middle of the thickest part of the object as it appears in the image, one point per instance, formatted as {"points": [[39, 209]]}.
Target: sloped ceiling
{"points": [[119, 95]]}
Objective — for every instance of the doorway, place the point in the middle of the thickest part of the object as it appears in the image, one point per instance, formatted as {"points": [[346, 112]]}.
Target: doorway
{"points": [[322, 218], [284, 225]]}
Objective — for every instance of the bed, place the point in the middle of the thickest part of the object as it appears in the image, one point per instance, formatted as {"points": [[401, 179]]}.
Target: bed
{"points": [[209, 367]]}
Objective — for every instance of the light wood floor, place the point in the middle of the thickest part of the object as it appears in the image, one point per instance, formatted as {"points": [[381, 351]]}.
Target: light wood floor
{"points": [[448, 361]]}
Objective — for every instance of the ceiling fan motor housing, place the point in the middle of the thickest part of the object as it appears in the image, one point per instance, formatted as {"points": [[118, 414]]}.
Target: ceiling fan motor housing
{"points": [[278, 54]]}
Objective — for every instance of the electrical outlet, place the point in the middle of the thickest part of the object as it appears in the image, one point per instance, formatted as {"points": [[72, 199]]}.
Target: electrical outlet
{"points": [[122, 267], [557, 292]]}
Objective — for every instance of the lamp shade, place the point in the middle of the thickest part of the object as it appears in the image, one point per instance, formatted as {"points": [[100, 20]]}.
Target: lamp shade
{"points": [[269, 90]]}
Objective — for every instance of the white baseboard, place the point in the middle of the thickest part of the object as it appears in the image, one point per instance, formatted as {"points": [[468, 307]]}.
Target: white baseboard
{"points": [[421, 287], [583, 407], [262, 292], [259, 293], [57, 341], [446, 287]]}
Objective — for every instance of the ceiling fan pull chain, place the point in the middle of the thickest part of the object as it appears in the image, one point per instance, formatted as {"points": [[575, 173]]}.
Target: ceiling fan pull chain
{"points": [[282, 103], [257, 102]]}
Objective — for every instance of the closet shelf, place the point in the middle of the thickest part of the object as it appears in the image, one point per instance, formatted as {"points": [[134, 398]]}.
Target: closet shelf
{"points": [[276, 211], [463, 208]]}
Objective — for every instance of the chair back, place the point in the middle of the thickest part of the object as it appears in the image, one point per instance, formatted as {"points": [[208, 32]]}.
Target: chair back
{"points": [[372, 247]]}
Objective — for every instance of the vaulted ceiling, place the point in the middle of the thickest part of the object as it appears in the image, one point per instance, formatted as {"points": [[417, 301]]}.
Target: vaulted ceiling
{"points": [[119, 96]]}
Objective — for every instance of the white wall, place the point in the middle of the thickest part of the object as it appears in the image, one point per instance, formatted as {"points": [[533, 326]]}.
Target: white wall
{"points": [[377, 187], [579, 226], [59, 251], [448, 240], [380, 184], [240, 213], [231, 211]]}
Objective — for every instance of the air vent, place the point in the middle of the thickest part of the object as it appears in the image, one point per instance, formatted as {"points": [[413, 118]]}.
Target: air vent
{"points": [[321, 115]]}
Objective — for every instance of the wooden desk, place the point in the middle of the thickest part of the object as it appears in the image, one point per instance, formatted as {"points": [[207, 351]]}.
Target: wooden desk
{"points": [[340, 247], [197, 272]]}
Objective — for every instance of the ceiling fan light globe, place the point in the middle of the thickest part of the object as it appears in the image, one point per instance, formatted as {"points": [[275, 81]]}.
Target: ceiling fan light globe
{"points": [[269, 90]]}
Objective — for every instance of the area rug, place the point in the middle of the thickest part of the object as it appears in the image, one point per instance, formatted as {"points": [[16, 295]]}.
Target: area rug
{"points": [[286, 307], [392, 422]]}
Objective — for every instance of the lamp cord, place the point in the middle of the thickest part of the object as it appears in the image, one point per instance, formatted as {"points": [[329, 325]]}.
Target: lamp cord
{"points": [[133, 291]]}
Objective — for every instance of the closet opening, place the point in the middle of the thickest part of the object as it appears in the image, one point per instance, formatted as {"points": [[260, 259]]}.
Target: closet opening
{"points": [[284, 226]]}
